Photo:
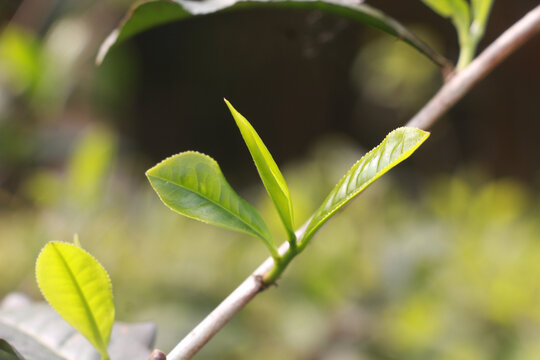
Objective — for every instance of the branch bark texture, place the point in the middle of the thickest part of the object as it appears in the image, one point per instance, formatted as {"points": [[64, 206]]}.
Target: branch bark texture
{"points": [[445, 98]]}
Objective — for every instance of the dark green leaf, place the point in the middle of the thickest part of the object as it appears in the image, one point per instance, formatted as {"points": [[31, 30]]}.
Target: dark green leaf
{"points": [[460, 13], [147, 15], [268, 170], [396, 147], [193, 185]]}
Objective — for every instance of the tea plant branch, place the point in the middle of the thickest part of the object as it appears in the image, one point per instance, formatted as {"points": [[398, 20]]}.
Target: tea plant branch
{"points": [[464, 80], [447, 96], [229, 307], [395, 148]]}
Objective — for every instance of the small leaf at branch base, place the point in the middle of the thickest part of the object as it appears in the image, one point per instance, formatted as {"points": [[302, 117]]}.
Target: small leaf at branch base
{"points": [[396, 147], [79, 289], [193, 185], [268, 171]]}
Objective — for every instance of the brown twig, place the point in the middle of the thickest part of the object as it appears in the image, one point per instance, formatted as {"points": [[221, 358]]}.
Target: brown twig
{"points": [[221, 315]]}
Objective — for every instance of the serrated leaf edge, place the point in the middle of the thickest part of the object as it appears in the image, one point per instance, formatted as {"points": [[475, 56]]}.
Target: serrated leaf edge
{"points": [[269, 240], [86, 305], [310, 231]]}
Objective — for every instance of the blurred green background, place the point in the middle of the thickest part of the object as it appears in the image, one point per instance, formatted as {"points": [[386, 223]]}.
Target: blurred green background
{"points": [[440, 259]]}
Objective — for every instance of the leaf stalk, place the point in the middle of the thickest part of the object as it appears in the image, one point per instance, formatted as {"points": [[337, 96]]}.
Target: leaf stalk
{"points": [[280, 265]]}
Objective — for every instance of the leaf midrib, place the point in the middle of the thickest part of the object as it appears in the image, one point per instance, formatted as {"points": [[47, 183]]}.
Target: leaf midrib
{"points": [[93, 322], [263, 165], [212, 201], [275, 178]]}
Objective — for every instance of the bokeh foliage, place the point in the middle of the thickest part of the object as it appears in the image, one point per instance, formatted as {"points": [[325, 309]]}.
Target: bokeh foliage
{"points": [[447, 273], [446, 270]]}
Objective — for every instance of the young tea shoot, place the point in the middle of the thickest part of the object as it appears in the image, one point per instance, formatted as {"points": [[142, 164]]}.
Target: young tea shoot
{"points": [[193, 185]]}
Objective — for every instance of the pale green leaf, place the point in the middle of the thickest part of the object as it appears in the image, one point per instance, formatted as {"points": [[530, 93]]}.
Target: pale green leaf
{"points": [[481, 9], [448, 8], [193, 185], [268, 170], [396, 147], [480, 15], [459, 12], [79, 289], [148, 14]]}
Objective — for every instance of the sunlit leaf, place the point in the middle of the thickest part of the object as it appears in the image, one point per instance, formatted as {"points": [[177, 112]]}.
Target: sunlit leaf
{"points": [[396, 147], [79, 289], [149, 14], [193, 185], [268, 170]]}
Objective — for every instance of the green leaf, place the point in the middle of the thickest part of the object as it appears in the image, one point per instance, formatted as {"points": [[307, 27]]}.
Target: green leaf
{"points": [[396, 147], [193, 185], [79, 289], [480, 15], [456, 10], [149, 14], [459, 12], [448, 8], [481, 9], [268, 170]]}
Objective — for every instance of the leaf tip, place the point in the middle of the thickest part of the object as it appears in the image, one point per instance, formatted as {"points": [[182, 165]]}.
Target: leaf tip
{"points": [[231, 108]]}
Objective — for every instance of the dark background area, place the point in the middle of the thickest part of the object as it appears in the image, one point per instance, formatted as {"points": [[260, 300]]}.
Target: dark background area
{"points": [[290, 74]]}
